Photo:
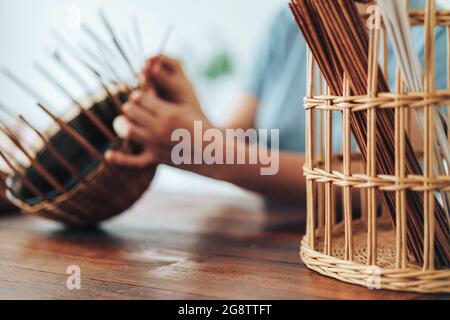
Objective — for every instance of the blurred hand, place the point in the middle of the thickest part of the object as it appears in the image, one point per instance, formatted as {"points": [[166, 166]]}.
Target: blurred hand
{"points": [[167, 76], [149, 123], [167, 102]]}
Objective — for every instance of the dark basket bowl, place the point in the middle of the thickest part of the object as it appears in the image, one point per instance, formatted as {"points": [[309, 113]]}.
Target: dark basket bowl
{"points": [[105, 192]]}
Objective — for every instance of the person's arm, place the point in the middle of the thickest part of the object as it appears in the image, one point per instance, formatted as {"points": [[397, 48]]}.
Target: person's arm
{"points": [[150, 122], [286, 185], [244, 114]]}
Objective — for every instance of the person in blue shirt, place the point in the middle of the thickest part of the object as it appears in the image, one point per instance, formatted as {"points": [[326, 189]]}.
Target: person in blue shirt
{"points": [[272, 99]]}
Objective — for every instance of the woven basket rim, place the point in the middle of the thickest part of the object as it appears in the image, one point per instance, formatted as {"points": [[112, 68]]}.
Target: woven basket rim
{"points": [[99, 170], [411, 279]]}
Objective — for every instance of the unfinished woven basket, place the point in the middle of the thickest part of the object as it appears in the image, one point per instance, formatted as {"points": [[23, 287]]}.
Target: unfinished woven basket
{"points": [[100, 192], [366, 249], [68, 179]]}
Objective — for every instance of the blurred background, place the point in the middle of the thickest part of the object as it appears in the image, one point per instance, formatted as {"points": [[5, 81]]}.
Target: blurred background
{"points": [[216, 39]]}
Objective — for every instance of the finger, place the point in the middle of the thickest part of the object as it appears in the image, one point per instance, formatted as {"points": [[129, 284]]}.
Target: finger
{"points": [[170, 80], [148, 85], [121, 126], [132, 132], [164, 71], [144, 98], [163, 61], [141, 135], [142, 160], [138, 114], [150, 102]]}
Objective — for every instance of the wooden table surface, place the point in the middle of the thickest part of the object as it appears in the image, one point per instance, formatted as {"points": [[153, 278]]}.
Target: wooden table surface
{"points": [[170, 246]]}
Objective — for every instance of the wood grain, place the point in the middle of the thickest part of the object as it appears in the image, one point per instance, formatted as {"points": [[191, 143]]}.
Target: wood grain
{"points": [[171, 246]]}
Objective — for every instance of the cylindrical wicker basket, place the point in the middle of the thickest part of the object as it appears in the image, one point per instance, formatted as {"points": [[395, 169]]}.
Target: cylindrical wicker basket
{"points": [[367, 249], [100, 191]]}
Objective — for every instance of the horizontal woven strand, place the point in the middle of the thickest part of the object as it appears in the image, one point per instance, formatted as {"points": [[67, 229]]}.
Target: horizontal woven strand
{"points": [[383, 182], [417, 17], [381, 101]]}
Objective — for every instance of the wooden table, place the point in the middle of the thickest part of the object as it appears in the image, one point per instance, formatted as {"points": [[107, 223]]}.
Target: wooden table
{"points": [[170, 246]]}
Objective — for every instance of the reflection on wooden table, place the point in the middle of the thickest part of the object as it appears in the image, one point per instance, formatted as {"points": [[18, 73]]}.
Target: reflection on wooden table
{"points": [[170, 246]]}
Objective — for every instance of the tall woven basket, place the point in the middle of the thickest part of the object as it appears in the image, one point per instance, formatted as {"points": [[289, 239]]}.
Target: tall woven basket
{"points": [[364, 248]]}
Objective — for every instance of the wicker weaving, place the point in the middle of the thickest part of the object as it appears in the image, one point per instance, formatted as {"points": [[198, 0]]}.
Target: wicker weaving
{"points": [[406, 247], [68, 179]]}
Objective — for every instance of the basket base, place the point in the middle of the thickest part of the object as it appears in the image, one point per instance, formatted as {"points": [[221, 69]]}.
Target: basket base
{"points": [[384, 276]]}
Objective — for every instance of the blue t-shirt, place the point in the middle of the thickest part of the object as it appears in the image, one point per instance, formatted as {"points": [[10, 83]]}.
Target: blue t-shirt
{"points": [[278, 78]]}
